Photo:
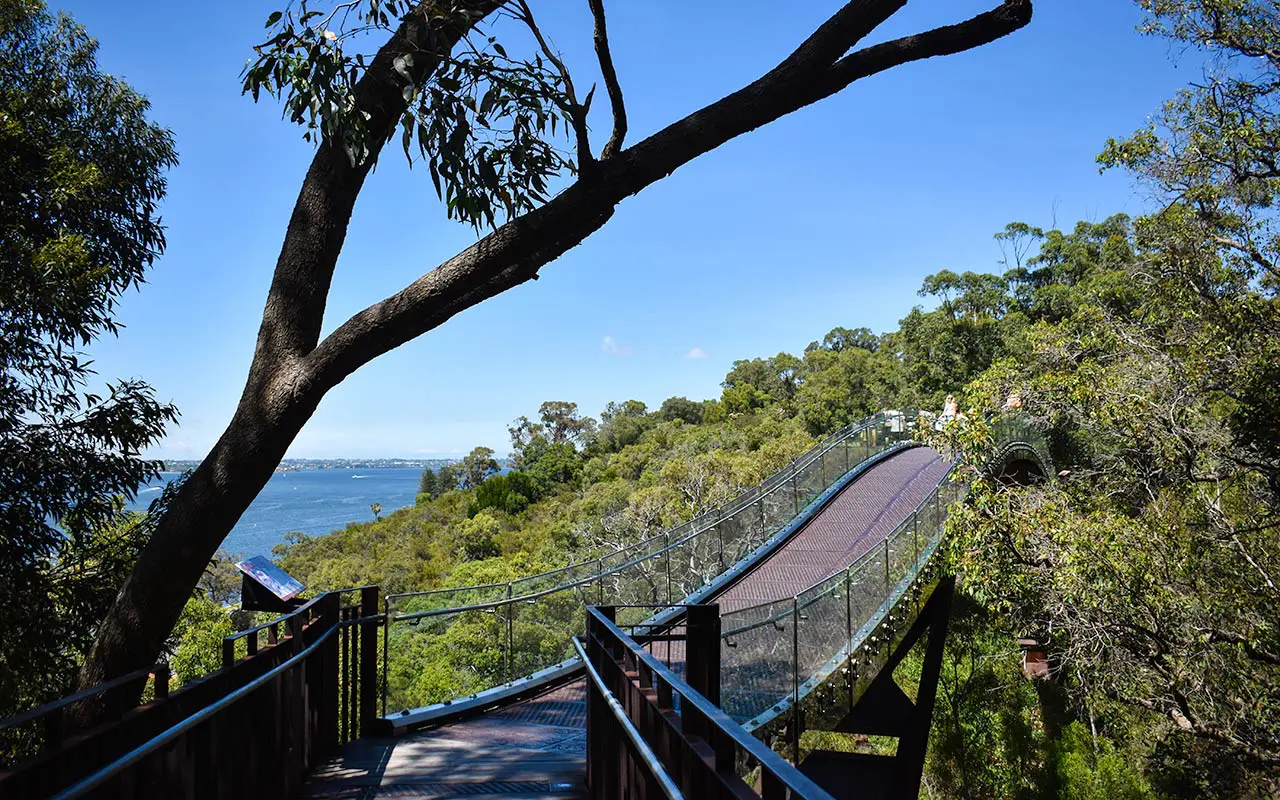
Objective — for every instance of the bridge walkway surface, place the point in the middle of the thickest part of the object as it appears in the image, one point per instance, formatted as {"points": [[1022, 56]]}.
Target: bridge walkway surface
{"points": [[537, 747]]}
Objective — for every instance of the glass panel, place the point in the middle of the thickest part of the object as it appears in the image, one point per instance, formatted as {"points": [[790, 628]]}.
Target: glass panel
{"points": [[756, 659], [866, 586], [542, 628], [902, 556], [823, 624], [809, 482], [779, 508], [444, 657]]}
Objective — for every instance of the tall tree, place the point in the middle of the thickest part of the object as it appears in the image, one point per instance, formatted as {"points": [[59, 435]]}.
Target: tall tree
{"points": [[477, 117], [83, 171], [478, 465]]}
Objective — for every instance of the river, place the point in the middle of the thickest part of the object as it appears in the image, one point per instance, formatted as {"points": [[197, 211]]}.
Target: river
{"points": [[313, 501]]}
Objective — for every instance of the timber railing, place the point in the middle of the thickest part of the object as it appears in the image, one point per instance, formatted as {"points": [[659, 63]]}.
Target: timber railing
{"points": [[656, 733], [531, 622], [289, 693]]}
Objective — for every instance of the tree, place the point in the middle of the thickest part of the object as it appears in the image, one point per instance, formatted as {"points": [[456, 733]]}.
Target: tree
{"points": [[376, 508], [562, 423], [479, 119], [428, 482], [1153, 559], [842, 386], [448, 478], [621, 424], [778, 378], [842, 338], [83, 173], [476, 466], [682, 408]]}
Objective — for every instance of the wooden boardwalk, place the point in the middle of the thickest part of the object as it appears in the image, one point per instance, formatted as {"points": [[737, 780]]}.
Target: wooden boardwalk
{"points": [[535, 749]]}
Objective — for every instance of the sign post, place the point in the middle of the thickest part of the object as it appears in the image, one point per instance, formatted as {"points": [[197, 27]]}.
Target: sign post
{"points": [[266, 587]]}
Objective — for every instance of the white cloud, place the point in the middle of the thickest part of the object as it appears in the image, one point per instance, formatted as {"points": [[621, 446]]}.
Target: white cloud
{"points": [[696, 352], [612, 347]]}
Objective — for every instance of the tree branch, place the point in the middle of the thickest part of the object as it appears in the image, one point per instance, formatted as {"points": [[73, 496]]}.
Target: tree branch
{"points": [[601, 37], [515, 252], [576, 112], [299, 289]]}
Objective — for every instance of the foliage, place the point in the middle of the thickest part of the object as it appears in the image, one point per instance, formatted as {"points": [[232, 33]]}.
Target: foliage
{"points": [[998, 734], [1152, 360], [476, 466], [682, 408], [83, 175], [484, 122], [196, 643]]}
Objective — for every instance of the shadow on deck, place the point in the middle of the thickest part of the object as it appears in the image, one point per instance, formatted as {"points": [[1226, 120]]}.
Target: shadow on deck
{"points": [[536, 749]]}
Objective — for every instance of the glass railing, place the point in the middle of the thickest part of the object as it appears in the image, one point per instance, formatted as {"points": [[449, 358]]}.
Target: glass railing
{"points": [[775, 654], [449, 643]]}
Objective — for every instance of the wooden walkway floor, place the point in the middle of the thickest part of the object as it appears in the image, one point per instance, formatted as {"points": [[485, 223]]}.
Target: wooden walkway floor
{"points": [[536, 749]]}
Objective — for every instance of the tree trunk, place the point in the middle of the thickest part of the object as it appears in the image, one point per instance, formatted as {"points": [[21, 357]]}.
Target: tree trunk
{"points": [[192, 526], [291, 370]]}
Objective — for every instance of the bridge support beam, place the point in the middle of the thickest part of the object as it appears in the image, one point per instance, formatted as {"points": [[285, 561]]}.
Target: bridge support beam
{"points": [[885, 710]]}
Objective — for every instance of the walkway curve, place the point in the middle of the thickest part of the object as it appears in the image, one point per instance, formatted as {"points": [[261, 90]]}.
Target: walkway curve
{"points": [[536, 748]]}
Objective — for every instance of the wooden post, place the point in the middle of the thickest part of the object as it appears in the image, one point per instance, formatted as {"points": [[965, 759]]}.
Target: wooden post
{"points": [[702, 650], [161, 673], [368, 660]]}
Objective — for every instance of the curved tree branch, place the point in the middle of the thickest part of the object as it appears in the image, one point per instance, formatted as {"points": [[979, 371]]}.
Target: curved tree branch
{"points": [[576, 111], [290, 372], [516, 251], [317, 229]]}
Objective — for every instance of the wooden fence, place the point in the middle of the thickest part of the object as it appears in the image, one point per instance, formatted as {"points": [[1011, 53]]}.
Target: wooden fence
{"points": [[306, 684]]}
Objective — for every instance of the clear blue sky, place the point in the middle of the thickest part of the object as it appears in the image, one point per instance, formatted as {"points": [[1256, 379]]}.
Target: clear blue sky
{"points": [[828, 217]]}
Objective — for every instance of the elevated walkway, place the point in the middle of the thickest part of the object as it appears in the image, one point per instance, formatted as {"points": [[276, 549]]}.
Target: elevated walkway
{"points": [[537, 747]]}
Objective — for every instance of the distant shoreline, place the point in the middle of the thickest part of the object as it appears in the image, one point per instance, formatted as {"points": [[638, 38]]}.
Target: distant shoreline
{"points": [[177, 466]]}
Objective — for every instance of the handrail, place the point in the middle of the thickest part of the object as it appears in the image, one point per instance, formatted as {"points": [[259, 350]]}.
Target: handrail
{"points": [[83, 694], [697, 525], [169, 734], [673, 544], [789, 776], [442, 590], [1012, 435], [646, 753], [736, 519]]}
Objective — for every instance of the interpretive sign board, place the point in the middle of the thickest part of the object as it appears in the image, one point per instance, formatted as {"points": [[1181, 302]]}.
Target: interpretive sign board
{"points": [[260, 574]]}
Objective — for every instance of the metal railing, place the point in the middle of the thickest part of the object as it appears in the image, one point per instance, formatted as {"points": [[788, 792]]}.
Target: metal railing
{"points": [[777, 652], [780, 652], [672, 732], [504, 631]]}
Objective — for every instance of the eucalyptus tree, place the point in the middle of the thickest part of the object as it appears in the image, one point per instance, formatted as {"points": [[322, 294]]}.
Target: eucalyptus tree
{"points": [[495, 129], [82, 171], [1153, 352]]}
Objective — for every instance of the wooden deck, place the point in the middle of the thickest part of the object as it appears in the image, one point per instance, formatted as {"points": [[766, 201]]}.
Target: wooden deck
{"points": [[535, 749]]}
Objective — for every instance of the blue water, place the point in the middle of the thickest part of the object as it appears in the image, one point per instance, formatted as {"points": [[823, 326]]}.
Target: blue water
{"points": [[313, 501]]}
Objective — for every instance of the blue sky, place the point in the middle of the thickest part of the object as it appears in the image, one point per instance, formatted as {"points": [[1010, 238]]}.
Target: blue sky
{"points": [[828, 217]]}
